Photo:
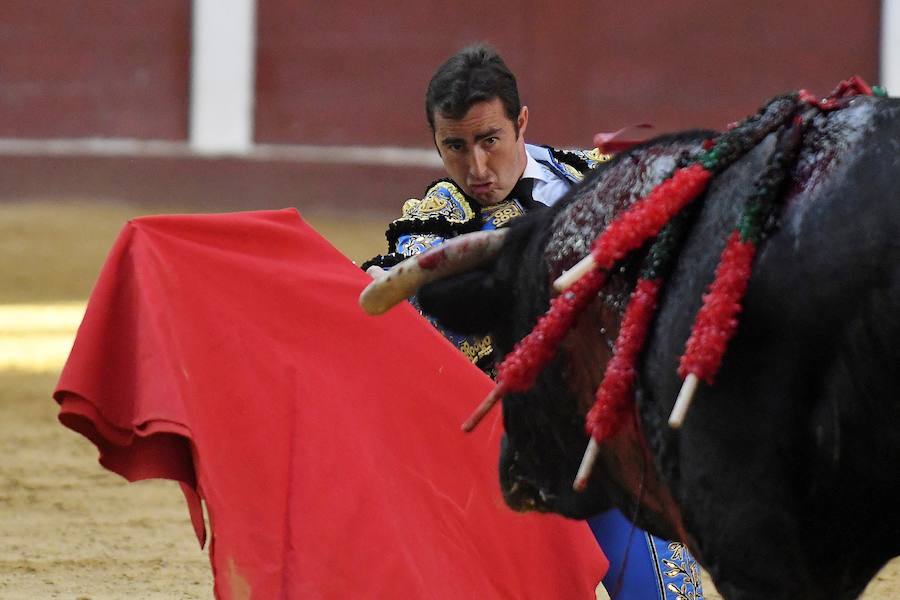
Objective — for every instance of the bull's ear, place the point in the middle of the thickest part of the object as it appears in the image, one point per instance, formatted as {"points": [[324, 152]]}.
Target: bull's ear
{"points": [[468, 303]]}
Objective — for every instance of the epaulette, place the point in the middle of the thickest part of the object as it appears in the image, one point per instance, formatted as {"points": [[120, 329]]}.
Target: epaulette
{"points": [[578, 162], [444, 210], [594, 157]]}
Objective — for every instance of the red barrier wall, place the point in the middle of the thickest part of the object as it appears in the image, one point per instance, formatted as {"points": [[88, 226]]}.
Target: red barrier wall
{"points": [[355, 73], [94, 68]]}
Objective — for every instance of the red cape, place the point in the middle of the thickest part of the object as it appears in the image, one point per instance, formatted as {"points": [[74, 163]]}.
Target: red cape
{"points": [[228, 352]]}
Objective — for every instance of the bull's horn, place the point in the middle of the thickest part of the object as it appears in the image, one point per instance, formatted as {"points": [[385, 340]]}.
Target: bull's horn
{"points": [[454, 256]]}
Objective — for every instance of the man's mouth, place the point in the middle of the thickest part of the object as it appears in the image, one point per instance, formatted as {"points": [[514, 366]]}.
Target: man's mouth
{"points": [[481, 188]]}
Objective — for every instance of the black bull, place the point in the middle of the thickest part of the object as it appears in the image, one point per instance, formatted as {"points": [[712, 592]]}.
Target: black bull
{"points": [[785, 478]]}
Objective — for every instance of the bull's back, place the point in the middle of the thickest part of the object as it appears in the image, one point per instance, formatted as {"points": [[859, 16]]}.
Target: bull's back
{"points": [[805, 401]]}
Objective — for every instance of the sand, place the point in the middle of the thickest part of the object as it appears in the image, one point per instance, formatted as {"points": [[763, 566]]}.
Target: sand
{"points": [[70, 528]]}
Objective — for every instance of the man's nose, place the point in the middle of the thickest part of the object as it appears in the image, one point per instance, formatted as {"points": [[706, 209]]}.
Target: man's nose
{"points": [[478, 164]]}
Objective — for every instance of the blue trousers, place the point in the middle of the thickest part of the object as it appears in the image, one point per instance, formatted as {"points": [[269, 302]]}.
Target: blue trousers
{"points": [[644, 567]]}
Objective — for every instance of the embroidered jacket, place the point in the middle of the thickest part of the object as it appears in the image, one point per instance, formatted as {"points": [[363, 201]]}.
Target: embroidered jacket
{"points": [[445, 212]]}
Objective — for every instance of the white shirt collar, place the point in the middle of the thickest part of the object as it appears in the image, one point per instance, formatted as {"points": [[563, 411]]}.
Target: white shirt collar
{"points": [[536, 170]]}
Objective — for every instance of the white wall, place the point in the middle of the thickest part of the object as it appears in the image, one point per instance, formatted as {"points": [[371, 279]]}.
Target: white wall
{"points": [[890, 46], [223, 59]]}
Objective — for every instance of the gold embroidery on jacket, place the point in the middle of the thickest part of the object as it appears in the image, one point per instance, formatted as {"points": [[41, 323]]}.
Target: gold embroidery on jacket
{"points": [[501, 214], [443, 199], [475, 352], [597, 156]]}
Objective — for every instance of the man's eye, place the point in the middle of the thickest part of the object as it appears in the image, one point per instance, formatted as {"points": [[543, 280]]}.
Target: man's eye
{"points": [[454, 147], [491, 141]]}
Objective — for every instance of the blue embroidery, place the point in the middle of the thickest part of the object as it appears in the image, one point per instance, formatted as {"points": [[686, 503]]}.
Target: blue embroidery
{"points": [[643, 567]]}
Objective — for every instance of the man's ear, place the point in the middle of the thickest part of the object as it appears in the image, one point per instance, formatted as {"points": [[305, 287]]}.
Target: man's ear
{"points": [[522, 121]]}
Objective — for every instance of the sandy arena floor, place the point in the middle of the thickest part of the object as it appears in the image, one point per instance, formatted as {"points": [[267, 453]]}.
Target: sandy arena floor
{"points": [[71, 529]]}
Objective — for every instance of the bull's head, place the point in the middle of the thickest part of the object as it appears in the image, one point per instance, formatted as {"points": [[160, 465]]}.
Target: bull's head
{"points": [[497, 283]]}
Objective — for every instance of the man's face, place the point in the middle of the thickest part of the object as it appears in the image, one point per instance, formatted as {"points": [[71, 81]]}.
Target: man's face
{"points": [[481, 151]]}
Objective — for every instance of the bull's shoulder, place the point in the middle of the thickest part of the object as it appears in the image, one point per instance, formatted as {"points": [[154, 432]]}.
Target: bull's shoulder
{"points": [[613, 185]]}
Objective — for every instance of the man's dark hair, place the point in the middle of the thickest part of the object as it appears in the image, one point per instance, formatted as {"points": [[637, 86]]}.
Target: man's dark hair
{"points": [[474, 74]]}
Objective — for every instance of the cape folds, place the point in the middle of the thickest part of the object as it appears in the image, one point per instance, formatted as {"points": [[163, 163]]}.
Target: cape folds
{"points": [[222, 351]]}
